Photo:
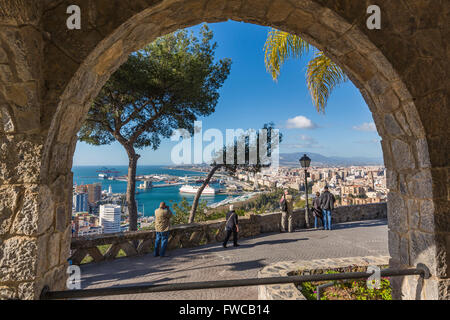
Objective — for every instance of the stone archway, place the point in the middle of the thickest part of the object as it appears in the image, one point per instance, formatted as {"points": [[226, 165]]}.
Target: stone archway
{"points": [[50, 71]]}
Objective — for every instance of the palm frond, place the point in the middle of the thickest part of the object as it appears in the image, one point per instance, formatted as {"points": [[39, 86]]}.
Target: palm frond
{"points": [[279, 47], [323, 75]]}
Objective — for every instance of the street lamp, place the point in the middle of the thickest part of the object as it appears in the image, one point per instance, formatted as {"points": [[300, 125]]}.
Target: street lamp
{"points": [[305, 161]]}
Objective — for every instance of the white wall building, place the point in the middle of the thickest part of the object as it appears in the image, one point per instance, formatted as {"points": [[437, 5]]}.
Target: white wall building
{"points": [[110, 218]]}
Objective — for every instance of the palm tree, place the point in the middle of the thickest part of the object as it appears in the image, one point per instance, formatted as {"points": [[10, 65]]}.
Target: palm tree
{"points": [[322, 74]]}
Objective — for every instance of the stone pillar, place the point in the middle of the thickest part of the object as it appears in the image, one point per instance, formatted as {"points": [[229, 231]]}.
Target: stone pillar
{"points": [[34, 211], [417, 229], [34, 221]]}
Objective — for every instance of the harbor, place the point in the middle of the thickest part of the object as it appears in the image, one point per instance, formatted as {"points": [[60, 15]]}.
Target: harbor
{"points": [[156, 184]]}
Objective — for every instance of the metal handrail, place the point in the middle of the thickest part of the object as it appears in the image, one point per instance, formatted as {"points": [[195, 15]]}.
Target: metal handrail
{"points": [[137, 289]]}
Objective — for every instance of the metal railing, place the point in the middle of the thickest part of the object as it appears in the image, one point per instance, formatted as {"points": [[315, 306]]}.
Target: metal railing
{"points": [[137, 289]]}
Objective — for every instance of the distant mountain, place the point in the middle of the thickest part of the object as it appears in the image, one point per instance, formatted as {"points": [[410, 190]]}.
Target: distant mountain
{"points": [[318, 160]]}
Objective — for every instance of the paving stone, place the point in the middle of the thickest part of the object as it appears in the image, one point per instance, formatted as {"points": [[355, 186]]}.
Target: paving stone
{"points": [[366, 238]]}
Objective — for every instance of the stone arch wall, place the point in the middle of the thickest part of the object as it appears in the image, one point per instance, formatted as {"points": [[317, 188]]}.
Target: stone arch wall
{"points": [[399, 71]]}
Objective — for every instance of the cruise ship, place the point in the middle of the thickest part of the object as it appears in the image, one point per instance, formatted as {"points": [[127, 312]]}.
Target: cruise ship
{"points": [[193, 189]]}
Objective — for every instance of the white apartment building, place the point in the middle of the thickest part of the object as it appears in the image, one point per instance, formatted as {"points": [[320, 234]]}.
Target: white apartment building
{"points": [[110, 218]]}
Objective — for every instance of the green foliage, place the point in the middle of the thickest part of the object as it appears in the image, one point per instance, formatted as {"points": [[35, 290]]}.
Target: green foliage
{"points": [[242, 149], [309, 290], [279, 47], [103, 249], [182, 210], [362, 292], [346, 290], [322, 75], [265, 202], [166, 85]]}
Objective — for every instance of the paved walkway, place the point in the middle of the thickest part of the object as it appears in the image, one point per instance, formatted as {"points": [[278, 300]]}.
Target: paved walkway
{"points": [[212, 262]]}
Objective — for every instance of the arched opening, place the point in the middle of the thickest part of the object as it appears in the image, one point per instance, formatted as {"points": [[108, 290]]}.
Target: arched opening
{"points": [[397, 120]]}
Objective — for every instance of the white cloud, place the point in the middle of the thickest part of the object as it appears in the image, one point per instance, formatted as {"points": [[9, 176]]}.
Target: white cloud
{"points": [[300, 122], [366, 126]]}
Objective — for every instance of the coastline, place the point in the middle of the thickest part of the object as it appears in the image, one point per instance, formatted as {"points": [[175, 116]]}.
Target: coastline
{"points": [[185, 169]]}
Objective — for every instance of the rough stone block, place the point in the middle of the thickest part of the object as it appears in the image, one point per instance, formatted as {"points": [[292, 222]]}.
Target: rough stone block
{"points": [[423, 250], [333, 21], [18, 256], [25, 291], [20, 159], [422, 153], [27, 219], [53, 249], [9, 196], [404, 158], [413, 213], [391, 180], [427, 222], [6, 120], [397, 213], [299, 20], [7, 292], [279, 10], [413, 118], [394, 244], [391, 126], [420, 185]]}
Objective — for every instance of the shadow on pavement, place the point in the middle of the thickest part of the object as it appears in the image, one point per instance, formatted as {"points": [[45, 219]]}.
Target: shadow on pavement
{"points": [[270, 242], [348, 225], [121, 274]]}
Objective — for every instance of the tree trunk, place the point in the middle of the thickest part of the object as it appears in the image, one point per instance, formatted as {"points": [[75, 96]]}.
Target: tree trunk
{"points": [[199, 192], [131, 188]]}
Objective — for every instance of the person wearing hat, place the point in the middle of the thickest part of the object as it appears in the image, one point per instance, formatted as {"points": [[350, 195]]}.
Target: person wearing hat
{"points": [[231, 227]]}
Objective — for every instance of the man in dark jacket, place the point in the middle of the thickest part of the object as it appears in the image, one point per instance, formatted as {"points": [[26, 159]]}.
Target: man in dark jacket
{"points": [[327, 204], [231, 227], [317, 210]]}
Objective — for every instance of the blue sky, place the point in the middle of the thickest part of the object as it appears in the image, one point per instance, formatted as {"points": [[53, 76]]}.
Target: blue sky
{"points": [[250, 98]]}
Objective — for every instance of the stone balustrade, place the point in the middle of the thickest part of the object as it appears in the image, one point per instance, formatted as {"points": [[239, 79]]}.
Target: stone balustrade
{"points": [[191, 235]]}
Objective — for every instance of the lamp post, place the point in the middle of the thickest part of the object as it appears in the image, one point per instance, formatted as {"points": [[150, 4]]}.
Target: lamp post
{"points": [[305, 161]]}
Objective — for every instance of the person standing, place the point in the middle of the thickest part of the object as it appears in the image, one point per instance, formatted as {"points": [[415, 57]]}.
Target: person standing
{"points": [[162, 226], [327, 204], [231, 227], [317, 210], [286, 212]]}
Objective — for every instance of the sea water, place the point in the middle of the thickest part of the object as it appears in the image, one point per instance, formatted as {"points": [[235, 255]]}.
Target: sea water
{"points": [[147, 200]]}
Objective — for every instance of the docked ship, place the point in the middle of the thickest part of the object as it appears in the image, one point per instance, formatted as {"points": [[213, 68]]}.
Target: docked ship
{"points": [[193, 189]]}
